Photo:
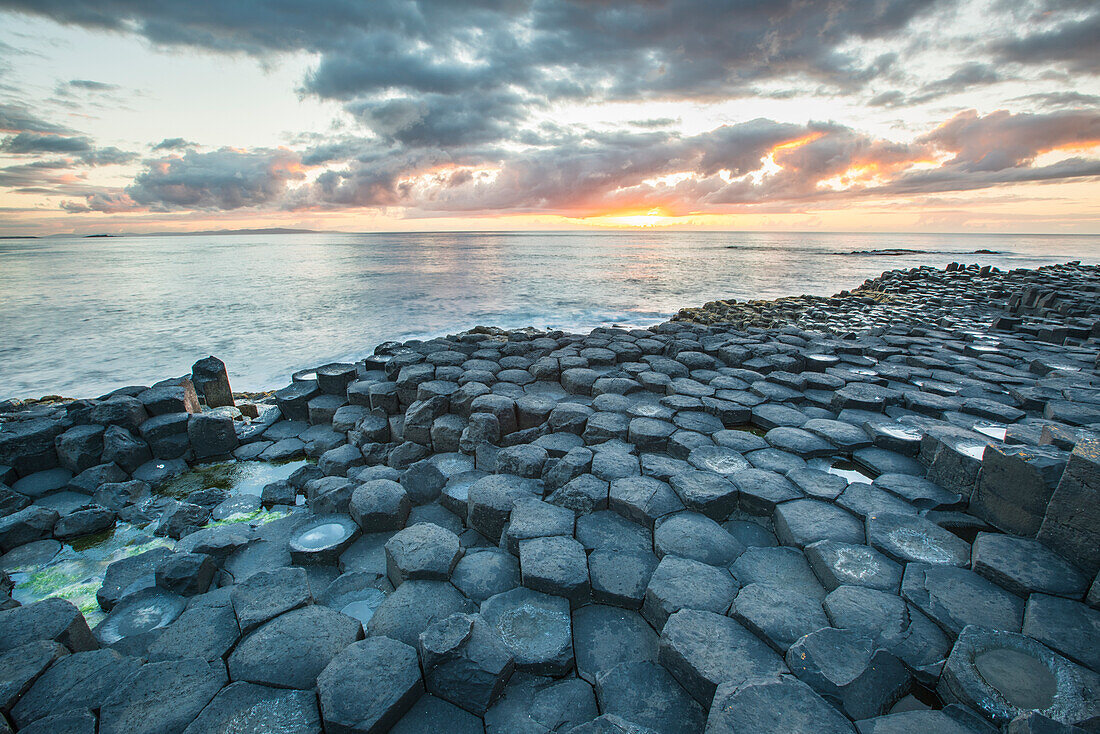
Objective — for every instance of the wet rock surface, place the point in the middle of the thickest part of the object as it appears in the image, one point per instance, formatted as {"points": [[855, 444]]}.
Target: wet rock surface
{"points": [[875, 513]]}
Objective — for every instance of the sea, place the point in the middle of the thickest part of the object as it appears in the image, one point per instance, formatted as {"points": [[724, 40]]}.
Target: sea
{"points": [[80, 316]]}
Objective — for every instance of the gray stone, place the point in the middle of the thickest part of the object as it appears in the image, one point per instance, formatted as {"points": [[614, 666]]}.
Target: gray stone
{"points": [[186, 574], [139, 618], [206, 629], [533, 518], [695, 536], [423, 482], [27, 525], [430, 714], [761, 491], [773, 704], [535, 627], [1003, 674], [465, 661], [839, 564], [777, 615], [555, 565], [211, 434], [706, 492], [847, 670], [74, 721], [646, 694], [643, 499], [1016, 485], [1071, 526], [919, 722], [1024, 565], [802, 522], [386, 668], [211, 381], [582, 494], [80, 447], [50, 619], [485, 573], [248, 707], [681, 583], [291, 650], [421, 552], [702, 649], [83, 680], [161, 697], [267, 594], [955, 597], [380, 504], [533, 704], [605, 636], [907, 538], [782, 566], [21, 666], [490, 500], [1067, 626], [413, 607]]}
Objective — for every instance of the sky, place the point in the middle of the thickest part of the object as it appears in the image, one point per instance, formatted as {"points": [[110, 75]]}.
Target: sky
{"points": [[431, 115]]}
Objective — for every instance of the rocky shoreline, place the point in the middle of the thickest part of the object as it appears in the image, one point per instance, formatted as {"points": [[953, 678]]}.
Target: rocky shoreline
{"points": [[877, 512]]}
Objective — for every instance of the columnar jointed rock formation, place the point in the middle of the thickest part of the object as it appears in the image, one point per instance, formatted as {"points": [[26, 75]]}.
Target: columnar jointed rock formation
{"points": [[873, 513]]}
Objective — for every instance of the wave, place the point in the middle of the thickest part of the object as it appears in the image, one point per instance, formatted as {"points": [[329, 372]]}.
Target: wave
{"points": [[897, 251]]}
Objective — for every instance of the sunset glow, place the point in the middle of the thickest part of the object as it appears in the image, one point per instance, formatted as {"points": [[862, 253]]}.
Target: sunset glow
{"points": [[165, 117]]}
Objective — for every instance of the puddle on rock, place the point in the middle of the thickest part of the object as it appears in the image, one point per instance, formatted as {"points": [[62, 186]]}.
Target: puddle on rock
{"points": [[238, 477], [841, 468], [993, 430], [76, 572]]}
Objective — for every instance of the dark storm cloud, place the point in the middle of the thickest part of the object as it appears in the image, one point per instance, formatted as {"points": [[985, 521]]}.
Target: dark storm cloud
{"points": [[416, 70], [1073, 42], [32, 143], [220, 179]]}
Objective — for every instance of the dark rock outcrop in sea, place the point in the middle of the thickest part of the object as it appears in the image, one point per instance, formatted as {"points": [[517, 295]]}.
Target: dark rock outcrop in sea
{"points": [[878, 512]]}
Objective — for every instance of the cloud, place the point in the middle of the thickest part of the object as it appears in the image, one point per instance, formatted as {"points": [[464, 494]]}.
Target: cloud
{"points": [[18, 119], [93, 86], [174, 144], [1002, 140], [1072, 43], [221, 179], [32, 143]]}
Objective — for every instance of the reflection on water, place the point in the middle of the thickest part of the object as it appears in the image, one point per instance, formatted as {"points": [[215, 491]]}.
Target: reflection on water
{"points": [[841, 468], [83, 316], [239, 477]]}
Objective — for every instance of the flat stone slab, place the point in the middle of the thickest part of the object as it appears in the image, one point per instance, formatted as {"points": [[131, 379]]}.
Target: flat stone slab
{"points": [[161, 697], [892, 624], [1024, 566], [206, 629], [50, 619], [777, 615], [535, 627], [538, 704], [620, 578], [839, 564], [918, 491], [21, 666], [1067, 626], [83, 680], [761, 491], [706, 492], [605, 636], [704, 649], [920, 722], [291, 650], [802, 522], [424, 551], [696, 536], [413, 607], [555, 565], [782, 566], [681, 583], [249, 707], [643, 499], [1003, 674], [957, 597], [385, 668], [909, 538], [848, 670], [267, 594], [646, 694], [486, 572], [759, 704], [464, 661]]}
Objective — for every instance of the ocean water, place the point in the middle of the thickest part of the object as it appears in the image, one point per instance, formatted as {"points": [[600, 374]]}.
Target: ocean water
{"points": [[80, 317]]}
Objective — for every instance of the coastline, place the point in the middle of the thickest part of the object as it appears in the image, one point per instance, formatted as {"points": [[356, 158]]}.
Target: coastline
{"points": [[748, 481]]}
